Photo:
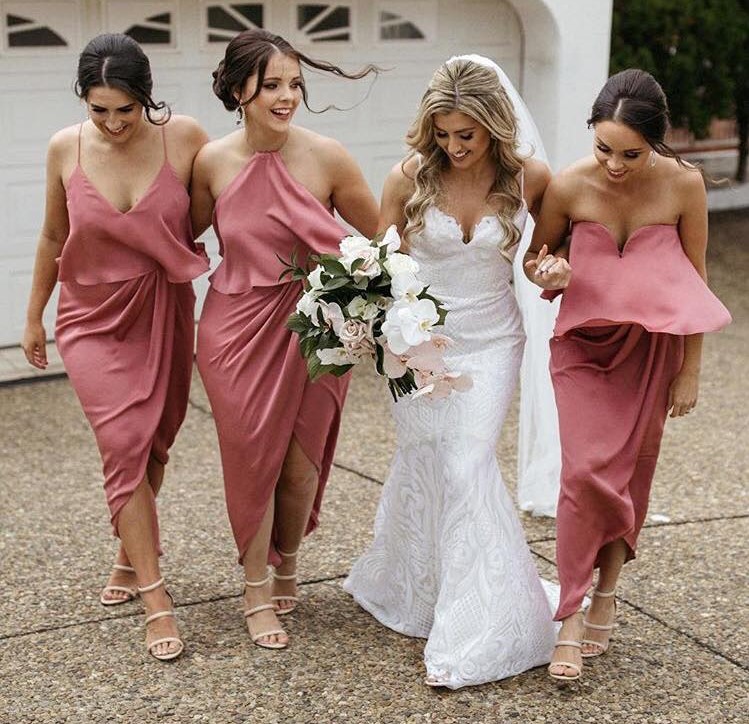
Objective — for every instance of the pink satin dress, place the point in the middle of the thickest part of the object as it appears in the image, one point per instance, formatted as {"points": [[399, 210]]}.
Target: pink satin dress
{"points": [[125, 324], [250, 362], [617, 346]]}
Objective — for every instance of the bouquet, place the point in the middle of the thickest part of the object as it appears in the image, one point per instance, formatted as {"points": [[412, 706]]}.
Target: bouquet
{"points": [[368, 304]]}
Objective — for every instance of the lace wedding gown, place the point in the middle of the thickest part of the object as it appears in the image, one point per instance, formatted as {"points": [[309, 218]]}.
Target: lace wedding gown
{"points": [[449, 561]]}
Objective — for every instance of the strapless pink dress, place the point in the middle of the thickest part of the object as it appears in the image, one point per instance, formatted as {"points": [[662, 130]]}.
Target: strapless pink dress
{"points": [[125, 325], [250, 362], [617, 346]]}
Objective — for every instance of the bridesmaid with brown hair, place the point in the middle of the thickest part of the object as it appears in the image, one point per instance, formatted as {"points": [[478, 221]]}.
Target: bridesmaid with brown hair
{"points": [[627, 343], [270, 188], [117, 236]]}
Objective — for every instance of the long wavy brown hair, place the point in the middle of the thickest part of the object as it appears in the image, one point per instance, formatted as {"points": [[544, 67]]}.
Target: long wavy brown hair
{"points": [[465, 86]]}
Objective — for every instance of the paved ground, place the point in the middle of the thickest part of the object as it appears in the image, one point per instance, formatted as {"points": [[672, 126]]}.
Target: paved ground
{"points": [[681, 652]]}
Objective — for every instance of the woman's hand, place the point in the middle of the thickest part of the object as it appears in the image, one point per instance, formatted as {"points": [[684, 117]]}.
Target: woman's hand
{"points": [[682, 395], [34, 344], [549, 271]]}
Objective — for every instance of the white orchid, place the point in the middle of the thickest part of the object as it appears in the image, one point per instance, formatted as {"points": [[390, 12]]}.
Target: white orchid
{"points": [[314, 278], [308, 305], [408, 324], [391, 240], [332, 315], [406, 286], [334, 356]]}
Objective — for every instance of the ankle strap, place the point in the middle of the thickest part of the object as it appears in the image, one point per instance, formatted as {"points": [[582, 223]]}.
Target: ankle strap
{"points": [[603, 594], [283, 554], [120, 567], [151, 586], [256, 584]]}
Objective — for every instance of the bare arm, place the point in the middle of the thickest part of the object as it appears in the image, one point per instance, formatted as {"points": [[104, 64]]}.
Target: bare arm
{"points": [[201, 197], [693, 232], [541, 265], [51, 239], [351, 196]]}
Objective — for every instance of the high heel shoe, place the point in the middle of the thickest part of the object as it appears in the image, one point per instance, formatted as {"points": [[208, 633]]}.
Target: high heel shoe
{"points": [[263, 607], [577, 669], [290, 577], [603, 647], [161, 614], [132, 593]]}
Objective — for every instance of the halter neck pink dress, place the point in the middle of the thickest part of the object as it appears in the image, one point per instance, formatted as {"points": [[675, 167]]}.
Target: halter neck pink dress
{"points": [[617, 346], [250, 362], [125, 325]]}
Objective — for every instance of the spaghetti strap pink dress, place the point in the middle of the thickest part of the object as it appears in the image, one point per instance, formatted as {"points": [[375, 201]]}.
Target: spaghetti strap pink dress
{"points": [[617, 346], [250, 362], [125, 325]]}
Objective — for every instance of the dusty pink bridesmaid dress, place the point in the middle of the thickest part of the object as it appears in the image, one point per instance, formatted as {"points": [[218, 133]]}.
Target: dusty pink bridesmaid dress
{"points": [[617, 346], [125, 325], [251, 365]]}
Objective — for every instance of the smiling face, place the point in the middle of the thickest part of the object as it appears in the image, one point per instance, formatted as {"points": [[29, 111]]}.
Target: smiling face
{"points": [[620, 150], [116, 115], [463, 139], [279, 97]]}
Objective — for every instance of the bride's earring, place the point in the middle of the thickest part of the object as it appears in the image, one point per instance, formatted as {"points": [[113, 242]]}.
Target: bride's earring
{"points": [[652, 159]]}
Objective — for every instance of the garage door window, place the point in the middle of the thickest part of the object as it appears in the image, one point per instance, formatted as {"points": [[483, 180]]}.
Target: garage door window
{"points": [[406, 22], [323, 22], [224, 20], [150, 23], [39, 26]]}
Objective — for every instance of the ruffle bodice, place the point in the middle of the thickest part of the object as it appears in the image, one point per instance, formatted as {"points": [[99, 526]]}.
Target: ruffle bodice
{"points": [[650, 282], [107, 245], [265, 214]]}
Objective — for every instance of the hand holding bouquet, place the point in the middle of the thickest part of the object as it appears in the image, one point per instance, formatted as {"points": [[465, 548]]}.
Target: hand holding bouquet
{"points": [[368, 303]]}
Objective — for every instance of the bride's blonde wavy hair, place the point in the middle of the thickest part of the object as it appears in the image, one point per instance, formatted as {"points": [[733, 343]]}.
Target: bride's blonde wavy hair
{"points": [[465, 86]]}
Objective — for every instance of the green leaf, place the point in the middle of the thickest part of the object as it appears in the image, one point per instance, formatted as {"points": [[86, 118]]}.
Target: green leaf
{"points": [[335, 283], [298, 323], [334, 267]]}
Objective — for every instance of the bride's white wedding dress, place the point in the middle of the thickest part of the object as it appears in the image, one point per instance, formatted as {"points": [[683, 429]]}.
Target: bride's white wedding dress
{"points": [[449, 561]]}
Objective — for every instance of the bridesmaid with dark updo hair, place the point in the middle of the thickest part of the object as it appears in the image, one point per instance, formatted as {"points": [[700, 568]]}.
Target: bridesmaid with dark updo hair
{"points": [[627, 343], [117, 236], [270, 188]]}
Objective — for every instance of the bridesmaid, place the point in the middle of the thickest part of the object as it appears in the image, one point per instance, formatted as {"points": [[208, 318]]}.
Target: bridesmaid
{"points": [[270, 189], [628, 339], [117, 236]]}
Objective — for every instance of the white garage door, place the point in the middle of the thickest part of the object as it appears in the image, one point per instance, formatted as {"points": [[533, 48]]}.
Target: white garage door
{"points": [[184, 40]]}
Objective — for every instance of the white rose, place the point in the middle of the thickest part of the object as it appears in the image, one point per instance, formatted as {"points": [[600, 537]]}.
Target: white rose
{"points": [[370, 266], [353, 248], [400, 264]]}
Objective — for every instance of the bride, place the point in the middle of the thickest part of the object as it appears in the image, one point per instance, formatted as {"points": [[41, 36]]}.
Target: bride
{"points": [[449, 561]]}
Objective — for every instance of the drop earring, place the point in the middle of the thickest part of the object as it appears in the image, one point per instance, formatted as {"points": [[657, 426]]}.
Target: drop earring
{"points": [[240, 115], [652, 159]]}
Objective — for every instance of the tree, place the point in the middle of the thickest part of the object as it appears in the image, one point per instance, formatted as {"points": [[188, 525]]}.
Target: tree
{"points": [[697, 51]]}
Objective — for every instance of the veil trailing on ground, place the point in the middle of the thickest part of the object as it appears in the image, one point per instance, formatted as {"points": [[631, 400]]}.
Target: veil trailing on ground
{"points": [[539, 457]]}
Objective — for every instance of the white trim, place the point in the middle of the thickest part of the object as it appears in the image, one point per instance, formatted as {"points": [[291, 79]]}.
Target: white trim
{"points": [[68, 9], [300, 38]]}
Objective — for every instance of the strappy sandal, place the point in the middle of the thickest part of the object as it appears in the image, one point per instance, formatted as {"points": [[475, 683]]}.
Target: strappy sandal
{"points": [[263, 607], [577, 669], [132, 593], [603, 647], [161, 614], [290, 577]]}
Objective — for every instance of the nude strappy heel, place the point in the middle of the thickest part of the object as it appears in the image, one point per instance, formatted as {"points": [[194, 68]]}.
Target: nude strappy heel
{"points": [[603, 647], [161, 614], [577, 669], [132, 593], [290, 577], [263, 607]]}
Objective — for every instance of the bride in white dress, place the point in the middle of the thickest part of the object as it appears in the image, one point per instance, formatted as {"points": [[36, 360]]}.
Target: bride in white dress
{"points": [[449, 561]]}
